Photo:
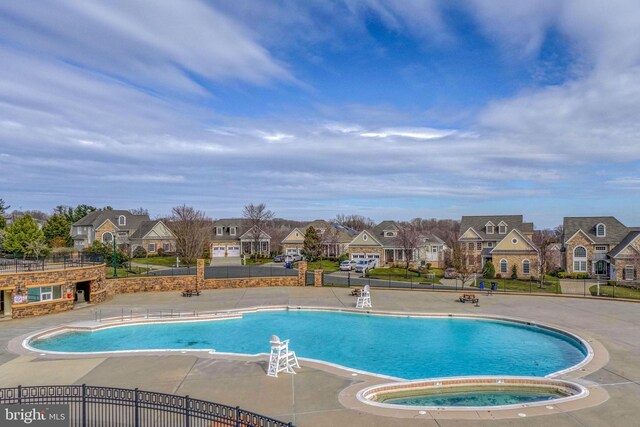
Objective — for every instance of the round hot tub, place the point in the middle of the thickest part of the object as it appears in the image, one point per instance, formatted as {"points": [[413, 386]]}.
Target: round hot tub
{"points": [[472, 393]]}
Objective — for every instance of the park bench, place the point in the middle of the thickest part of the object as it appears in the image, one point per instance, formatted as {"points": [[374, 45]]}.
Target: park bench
{"points": [[468, 298]]}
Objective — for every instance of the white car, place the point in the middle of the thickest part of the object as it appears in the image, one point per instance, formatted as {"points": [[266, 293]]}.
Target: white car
{"points": [[364, 265], [347, 265]]}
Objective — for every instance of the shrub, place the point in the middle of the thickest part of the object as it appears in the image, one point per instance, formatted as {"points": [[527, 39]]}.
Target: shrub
{"points": [[343, 257], [498, 276], [488, 271], [160, 252], [580, 276], [611, 282], [532, 278], [514, 272], [429, 266], [561, 275], [139, 252]]}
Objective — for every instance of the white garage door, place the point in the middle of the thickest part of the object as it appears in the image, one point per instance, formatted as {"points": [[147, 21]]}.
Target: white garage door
{"points": [[357, 256], [218, 251], [233, 250], [376, 257], [292, 251]]}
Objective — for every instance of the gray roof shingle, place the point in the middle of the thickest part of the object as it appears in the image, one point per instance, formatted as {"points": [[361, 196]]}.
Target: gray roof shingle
{"points": [[615, 230], [478, 223]]}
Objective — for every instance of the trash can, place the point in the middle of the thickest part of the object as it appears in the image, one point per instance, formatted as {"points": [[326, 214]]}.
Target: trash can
{"points": [[287, 265], [80, 295]]}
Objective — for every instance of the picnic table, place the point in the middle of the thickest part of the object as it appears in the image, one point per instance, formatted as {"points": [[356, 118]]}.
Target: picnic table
{"points": [[469, 298], [190, 293]]}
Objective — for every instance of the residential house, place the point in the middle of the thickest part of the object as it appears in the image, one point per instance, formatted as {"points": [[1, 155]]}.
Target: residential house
{"points": [[382, 243], [333, 237], [153, 236], [104, 225], [233, 238], [505, 240], [600, 246]]}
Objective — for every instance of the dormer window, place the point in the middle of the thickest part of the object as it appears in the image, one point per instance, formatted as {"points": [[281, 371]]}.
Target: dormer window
{"points": [[601, 230], [320, 230], [232, 231], [502, 228], [390, 233], [122, 220], [489, 227], [218, 231]]}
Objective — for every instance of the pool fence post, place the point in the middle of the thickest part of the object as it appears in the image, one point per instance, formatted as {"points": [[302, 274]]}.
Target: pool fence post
{"points": [[348, 279], [186, 411], [84, 405], [136, 408], [19, 394], [237, 416]]}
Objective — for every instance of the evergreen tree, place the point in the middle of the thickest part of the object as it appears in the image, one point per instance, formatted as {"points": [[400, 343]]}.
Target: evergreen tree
{"points": [[58, 230], [22, 233], [514, 272], [488, 271], [3, 210], [312, 247]]}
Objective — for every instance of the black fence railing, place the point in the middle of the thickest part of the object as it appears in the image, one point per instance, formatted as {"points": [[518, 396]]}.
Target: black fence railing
{"points": [[91, 406], [217, 272], [23, 264]]}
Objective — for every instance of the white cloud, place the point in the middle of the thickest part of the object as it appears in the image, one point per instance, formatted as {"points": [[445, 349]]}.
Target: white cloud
{"points": [[415, 133]]}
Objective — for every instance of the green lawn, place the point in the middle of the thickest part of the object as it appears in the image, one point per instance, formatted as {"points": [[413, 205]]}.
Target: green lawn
{"points": [[401, 275], [327, 266], [259, 261], [523, 286], [158, 260], [126, 272], [618, 292]]}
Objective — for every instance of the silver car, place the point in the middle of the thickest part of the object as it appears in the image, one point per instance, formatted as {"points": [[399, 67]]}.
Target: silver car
{"points": [[347, 265]]}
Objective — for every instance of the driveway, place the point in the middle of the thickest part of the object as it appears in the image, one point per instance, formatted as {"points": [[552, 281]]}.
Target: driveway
{"points": [[223, 261]]}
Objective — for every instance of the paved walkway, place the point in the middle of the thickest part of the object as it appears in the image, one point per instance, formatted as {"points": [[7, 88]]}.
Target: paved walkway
{"points": [[310, 398], [223, 261], [576, 287]]}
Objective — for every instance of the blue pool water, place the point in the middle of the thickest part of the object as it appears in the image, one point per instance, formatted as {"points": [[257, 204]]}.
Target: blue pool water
{"points": [[491, 398], [403, 347]]}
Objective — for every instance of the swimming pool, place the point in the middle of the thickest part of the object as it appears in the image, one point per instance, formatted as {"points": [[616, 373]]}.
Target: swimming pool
{"points": [[396, 346]]}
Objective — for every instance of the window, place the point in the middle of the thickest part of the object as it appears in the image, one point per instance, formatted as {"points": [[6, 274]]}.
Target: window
{"points": [[601, 230], [526, 267], [107, 237], [503, 266], [218, 231], [166, 247], [434, 249], [502, 228], [151, 247], [489, 244], [514, 241], [122, 220], [471, 245], [580, 259], [601, 249], [490, 229], [365, 237], [232, 231], [479, 246], [628, 272], [44, 293]]}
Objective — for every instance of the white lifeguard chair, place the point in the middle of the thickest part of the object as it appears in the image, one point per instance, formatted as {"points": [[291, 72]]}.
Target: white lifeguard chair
{"points": [[364, 299], [281, 358]]}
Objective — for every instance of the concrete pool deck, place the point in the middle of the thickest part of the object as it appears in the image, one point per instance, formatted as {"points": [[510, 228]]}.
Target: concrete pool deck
{"points": [[312, 397]]}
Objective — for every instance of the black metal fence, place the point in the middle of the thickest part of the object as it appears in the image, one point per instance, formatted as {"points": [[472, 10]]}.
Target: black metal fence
{"points": [[20, 265], [92, 406], [227, 271]]}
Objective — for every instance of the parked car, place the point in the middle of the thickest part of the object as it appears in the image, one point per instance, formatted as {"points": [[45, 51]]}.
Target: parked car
{"points": [[347, 265], [278, 258], [364, 265], [450, 273], [298, 257]]}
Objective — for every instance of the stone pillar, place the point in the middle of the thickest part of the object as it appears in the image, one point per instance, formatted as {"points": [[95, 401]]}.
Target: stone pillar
{"points": [[200, 274], [302, 273], [317, 280]]}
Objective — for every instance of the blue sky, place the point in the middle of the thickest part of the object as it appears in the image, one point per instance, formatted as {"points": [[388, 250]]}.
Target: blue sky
{"points": [[389, 109]]}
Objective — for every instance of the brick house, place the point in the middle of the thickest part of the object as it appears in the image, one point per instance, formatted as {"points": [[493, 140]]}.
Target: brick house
{"points": [[600, 246], [505, 240], [381, 243], [233, 238], [334, 237]]}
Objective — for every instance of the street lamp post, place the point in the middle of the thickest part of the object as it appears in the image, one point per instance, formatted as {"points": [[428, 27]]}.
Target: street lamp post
{"points": [[115, 259]]}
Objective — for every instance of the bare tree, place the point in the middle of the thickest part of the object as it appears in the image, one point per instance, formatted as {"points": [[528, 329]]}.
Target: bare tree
{"points": [[356, 222], [544, 241], [329, 241], [139, 211], [257, 218], [192, 229], [465, 261], [407, 240]]}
